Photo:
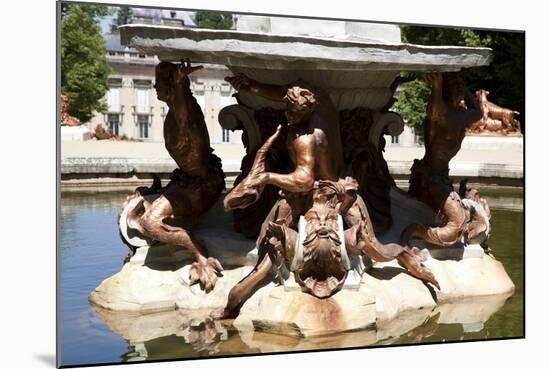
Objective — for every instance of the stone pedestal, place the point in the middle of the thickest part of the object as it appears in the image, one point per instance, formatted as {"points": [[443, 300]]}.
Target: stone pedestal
{"points": [[388, 300], [75, 133], [498, 143], [156, 279]]}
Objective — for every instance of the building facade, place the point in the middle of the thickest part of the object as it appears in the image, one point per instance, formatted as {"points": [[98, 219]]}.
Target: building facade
{"points": [[132, 105]]}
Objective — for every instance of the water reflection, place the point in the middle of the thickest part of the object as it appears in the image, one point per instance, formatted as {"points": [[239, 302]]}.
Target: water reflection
{"points": [[191, 334]]}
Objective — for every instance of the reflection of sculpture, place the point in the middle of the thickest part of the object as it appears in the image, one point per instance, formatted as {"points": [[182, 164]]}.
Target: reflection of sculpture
{"points": [[495, 119], [450, 110], [66, 118], [205, 336], [194, 187]]}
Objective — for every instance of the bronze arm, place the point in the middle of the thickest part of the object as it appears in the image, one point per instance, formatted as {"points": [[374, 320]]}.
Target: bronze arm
{"points": [[302, 178], [182, 102], [271, 92], [435, 104]]}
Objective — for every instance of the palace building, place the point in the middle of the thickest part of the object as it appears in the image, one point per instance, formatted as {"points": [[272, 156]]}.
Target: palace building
{"points": [[132, 105]]}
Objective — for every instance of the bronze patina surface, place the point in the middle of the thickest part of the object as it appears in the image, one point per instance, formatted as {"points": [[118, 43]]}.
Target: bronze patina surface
{"points": [[194, 187]]}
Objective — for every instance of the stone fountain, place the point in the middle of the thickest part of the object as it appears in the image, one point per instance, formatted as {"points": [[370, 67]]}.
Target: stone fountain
{"points": [[357, 65]]}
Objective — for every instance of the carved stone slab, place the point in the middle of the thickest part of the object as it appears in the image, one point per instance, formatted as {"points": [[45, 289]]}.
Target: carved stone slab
{"points": [[273, 51]]}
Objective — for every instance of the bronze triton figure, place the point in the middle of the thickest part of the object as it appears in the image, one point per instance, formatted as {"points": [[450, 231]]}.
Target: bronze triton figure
{"points": [[194, 187], [313, 140], [451, 109], [314, 146]]}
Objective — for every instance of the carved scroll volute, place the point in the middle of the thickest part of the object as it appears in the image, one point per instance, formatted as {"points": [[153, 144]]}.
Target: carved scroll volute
{"points": [[385, 122], [236, 116]]}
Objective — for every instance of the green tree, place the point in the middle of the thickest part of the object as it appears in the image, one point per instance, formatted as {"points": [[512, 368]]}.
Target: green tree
{"points": [[411, 104], [84, 69], [123, 16], [213, 20], [93, 11], [504, 78]]}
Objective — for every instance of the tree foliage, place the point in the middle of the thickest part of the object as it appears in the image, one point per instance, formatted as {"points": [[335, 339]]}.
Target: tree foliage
{"points": [[84, 69], [411, 104], [213, 20], [92, 10], [123, 16], [504, 78]]}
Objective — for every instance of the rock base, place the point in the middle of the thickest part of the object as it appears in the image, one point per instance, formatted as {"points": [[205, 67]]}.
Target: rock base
{"points": [[386, 291], [156, 279]]}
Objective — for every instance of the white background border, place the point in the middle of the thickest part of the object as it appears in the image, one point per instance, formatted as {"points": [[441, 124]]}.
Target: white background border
{"points": [[28, 158]]}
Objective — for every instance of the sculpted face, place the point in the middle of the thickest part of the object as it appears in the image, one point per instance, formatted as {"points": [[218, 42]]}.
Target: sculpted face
{"points": [[454, 88], [322, 272], [300, 104], [295, 114], [164, 80]]}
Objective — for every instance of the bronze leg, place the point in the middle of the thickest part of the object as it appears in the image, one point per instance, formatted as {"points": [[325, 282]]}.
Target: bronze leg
{"points": [[359, 238], [281, 213], [450, 233], [245, 288], [151, 224], [413, 263]]}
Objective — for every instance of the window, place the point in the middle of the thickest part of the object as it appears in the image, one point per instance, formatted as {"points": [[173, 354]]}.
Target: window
{"points": [[113, 99], [394, 139], [225, 135], [113, 123], [143, 123], [142, 100], [143, 83], [143, 88]]}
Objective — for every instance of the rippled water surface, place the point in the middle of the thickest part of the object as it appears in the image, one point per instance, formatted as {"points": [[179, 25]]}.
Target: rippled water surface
{"points": [[90, 251]]}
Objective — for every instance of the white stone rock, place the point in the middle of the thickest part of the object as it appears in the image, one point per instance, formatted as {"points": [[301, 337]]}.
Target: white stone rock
{"points": [[194, 325], [193, 297], [296, 313], [157, 279], [387, 291], [75, 133]]}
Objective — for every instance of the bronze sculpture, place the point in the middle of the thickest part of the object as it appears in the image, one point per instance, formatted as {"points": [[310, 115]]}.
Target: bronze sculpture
{"points": [[451, 110], [194, 187], [100, 133], [365, 162], [66, 118], [495, 119], [314, 147], [313, 190], [248, 221]]}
